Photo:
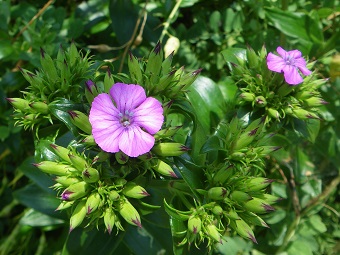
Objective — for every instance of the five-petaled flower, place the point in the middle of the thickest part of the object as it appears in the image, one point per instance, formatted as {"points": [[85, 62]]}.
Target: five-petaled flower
{"points": [[125, 120], [289, 63]]}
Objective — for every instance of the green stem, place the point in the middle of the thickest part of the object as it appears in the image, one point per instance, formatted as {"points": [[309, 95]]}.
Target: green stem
{"points": [[289, 234], [170, 19]]}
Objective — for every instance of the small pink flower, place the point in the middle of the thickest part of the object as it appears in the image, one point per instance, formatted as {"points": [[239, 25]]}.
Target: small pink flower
{"points": [[125, 119], [289, 63]]}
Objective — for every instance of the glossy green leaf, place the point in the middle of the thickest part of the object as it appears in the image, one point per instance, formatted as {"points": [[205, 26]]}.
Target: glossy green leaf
{"points": [[38, 219]]}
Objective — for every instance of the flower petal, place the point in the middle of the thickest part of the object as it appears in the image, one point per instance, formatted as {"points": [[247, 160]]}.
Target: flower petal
{"points": [[127, 96], [292, 75], [295, 53], [275, 63], [135, 142], [282, 52], [149, 115], [301, 64], [104, 120]]}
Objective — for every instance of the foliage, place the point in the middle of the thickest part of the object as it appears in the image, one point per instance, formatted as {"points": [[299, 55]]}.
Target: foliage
{"points": [[49, 50]]}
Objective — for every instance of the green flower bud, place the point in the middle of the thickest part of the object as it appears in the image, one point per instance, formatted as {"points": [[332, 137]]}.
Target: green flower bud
{"points": [[253, 219], [217, 193], [237, 156], [90, 175], [73, 54], [217, 210], [253, 60], [55, 168], [268, 198], [90, 90], [108, 81], [243, 229], [39, 107], [109, 219], [154, 63], [135, 69], [114, 195], [167, 132], [61, 152], [189, 78], [273, 113], [169, 149], [49, 68], [133, 190], [240, 196], [237, 70], [257, 183], [78, 162], [78, 215], [166, 64], [64, 205], [304, 94], [92, 202], [285, 89], [212, 232], [19, 103], [75, 191], [257, 205], [165, 81], [66, 180], [223, 174], [89, 140], [315, 101], [303, 114], [121, 157], [265, 150], [260, 101], [164, 169], [194, 224], [101, 156], [81, 121], [248, 97], [129, 213], [232, 215]]}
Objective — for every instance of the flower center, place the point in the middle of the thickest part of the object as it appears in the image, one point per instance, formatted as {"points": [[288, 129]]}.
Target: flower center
{"points": [[290, 60], [126, 118]]}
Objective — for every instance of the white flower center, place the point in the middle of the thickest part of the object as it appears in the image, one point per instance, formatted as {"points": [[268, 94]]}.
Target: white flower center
{"points": [[126, 118]]}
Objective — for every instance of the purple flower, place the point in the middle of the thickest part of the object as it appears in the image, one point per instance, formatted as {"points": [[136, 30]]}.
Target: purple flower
{"points": [[289, 63], [125, 119]]}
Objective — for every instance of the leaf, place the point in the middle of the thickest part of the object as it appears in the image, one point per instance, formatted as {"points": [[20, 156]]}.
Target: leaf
{"points": [[212, 144], [313, 127], [230, 55], [37, 219]]}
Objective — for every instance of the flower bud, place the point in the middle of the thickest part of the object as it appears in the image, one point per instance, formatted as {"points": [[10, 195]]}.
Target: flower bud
{"points": [[49, 68], [55, 168], [164, 169], [78, 215], [92, 202], [248, 97], [61, 152], [217, 193], [243, 229], [303, 114], [135, 69], [257, 205], [64, 205], [167, 132], [232, 215], [273, 113], [189, 78], [114, 195], [108, 81], [66, 180], [171, 46], [223, 174], [78, 162], [257, 183], [237, 156], [314, 101], [90, 175], [253, 219], [154, 63], [133, 190], [81, 121], [268, 198], [109, 219], [194, 224], [169, 149], [121, 157], [212, 232], [90, 90], [240, 196], [217, 210], [89, 140], [19, 103], [73, 54], [129, 213], [40, 107], [260, 101], [265, 150], [252, 57], [75, 191]]}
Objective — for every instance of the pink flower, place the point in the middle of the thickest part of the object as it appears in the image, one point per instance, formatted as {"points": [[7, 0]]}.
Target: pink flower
{"points": [[125, 120], [289, 63]]}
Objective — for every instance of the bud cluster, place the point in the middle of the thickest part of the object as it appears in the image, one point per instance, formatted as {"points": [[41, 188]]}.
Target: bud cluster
{"points": [[57, 78], [92, 196], [267, 93], [158, 76]]}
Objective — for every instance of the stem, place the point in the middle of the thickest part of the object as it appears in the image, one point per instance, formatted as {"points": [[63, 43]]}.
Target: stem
{"points": [[170, 19], [289, 234]]}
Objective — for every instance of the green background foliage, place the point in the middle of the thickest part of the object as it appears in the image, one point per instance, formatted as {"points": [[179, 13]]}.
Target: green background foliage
{"points": [[306, 170]]}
